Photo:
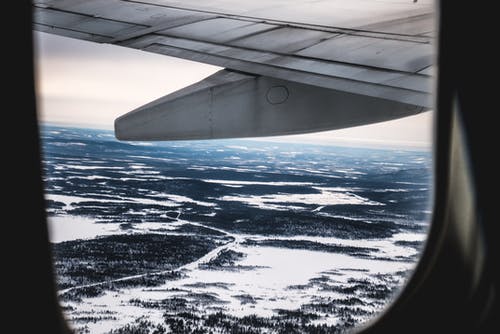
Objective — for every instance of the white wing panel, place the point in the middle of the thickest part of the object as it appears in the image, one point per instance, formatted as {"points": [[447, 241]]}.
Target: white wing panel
{"points": [[348, 52], [248, 38]]}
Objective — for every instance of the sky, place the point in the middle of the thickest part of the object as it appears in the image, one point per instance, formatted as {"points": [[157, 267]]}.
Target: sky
{"points": [[87, 84]]}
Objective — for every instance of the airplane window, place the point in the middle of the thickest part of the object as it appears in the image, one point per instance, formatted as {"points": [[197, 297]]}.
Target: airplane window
{"points": [[299, 233]]}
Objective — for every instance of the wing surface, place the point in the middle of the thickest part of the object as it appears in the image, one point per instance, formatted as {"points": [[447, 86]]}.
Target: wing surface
{"points": [[372, 49]]}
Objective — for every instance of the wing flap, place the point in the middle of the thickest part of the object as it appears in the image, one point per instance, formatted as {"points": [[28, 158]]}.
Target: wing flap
{"points": [[358, 80], [397, 55], [217, 30], [99, 29], [283, 40]]}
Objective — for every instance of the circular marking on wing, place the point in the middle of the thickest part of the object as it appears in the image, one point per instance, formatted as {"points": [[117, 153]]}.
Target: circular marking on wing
{"points": [[277, 94]]}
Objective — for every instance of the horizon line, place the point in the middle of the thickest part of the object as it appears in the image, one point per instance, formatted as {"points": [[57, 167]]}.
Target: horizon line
{"points": [[337, 142]]}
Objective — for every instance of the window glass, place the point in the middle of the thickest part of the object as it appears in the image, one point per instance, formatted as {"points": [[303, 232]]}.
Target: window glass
{"points": [[298, 233]]}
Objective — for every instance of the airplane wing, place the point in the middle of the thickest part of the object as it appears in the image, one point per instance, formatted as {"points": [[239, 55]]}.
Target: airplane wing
{"points": [[290, 66]]}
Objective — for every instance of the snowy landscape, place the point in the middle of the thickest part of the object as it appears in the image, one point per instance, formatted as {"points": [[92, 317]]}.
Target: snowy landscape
{"points": [[229, 236]]}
